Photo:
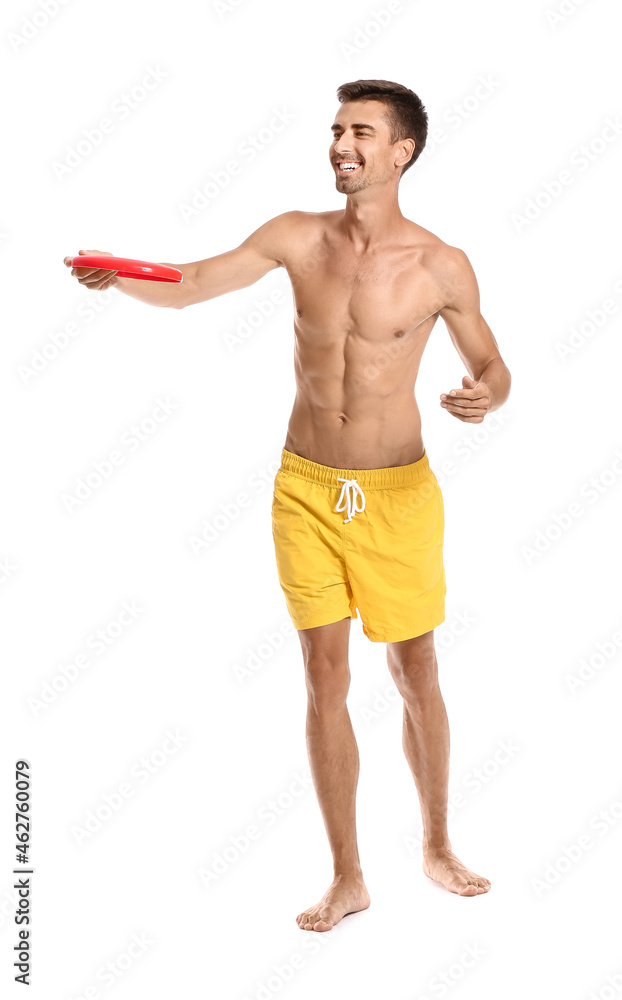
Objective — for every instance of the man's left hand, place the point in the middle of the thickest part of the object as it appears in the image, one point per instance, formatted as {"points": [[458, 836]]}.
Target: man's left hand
{"points": [[471, 403]]}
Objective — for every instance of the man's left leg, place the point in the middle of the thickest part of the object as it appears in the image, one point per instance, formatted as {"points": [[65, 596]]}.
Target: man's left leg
{"points": [[425, 740]]}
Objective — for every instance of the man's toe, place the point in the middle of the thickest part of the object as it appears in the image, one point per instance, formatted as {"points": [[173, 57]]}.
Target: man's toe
{"points": [[322, 925]]}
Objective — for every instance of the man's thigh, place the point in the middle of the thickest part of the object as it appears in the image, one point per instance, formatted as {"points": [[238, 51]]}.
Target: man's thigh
{"points": [[394, 557], [308, 545]]}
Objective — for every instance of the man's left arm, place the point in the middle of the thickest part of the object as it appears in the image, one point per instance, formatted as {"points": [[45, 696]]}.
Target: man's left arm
{"points": [[487, 386]]}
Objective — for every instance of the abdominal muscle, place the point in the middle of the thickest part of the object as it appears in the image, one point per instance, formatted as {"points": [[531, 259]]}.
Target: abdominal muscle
{"points": [[350, 422], [388, 435]]}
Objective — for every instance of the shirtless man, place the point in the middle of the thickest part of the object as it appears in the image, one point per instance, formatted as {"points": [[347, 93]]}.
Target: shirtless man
{"points": [[357, 512]]}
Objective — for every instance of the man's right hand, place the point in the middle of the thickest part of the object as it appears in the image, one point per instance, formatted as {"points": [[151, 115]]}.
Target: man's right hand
{"points": [[93, 277]]}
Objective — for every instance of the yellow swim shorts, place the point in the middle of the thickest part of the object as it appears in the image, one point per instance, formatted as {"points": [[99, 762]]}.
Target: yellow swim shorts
{"points": [[370, 539]]}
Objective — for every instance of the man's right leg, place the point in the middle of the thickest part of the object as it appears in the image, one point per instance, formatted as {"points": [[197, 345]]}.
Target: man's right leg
{"points": [[334, 761]]}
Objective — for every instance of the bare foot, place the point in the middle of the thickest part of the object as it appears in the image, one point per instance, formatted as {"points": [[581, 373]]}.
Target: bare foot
{"points": [[443, 866], [346, 894]]}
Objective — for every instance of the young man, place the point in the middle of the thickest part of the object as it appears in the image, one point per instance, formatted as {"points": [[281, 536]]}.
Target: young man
{"points": [[357, 512]]}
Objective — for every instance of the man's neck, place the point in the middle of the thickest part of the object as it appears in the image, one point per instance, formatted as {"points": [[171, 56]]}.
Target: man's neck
{"points": [[370, 219]]}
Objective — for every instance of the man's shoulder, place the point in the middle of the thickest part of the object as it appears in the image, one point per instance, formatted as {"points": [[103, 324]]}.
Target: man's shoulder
{"points": [[448, 265], [436, 250], [288, 234], [296, 218], [288, 229]]}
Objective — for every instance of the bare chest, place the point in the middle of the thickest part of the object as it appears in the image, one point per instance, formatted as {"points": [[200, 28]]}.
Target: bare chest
{"points": [[377, 298]]}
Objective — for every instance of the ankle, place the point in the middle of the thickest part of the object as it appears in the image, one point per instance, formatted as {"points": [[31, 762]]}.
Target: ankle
{"points": [[436, 845], [351, 872]]}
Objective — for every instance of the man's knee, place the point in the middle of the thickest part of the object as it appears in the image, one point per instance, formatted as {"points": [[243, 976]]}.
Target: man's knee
{"points": [[413, 667], [328, 682]]}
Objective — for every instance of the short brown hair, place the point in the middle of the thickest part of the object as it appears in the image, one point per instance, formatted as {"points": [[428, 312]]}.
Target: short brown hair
{"points": [[406, 115]]}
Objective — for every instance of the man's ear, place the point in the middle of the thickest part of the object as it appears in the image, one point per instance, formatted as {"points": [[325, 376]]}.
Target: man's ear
{"points": [[406, 152]]}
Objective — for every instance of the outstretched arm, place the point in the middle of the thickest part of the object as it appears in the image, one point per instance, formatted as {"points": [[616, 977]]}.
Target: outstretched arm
{"points": [[205, 279], [487, 386]]}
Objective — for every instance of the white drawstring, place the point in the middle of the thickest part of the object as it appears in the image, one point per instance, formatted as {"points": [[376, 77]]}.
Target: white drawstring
{"points": [[350, 498]]}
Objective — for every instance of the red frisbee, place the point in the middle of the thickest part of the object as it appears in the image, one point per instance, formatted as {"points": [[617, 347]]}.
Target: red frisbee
{"points": [[126, 267]]}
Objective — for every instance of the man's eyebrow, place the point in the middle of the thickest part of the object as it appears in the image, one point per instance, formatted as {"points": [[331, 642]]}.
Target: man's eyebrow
{"points": [[355, 125]]}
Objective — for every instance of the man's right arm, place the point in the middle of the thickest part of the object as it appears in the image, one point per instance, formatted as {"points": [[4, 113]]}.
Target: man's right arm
{"points": [[205, 279]]}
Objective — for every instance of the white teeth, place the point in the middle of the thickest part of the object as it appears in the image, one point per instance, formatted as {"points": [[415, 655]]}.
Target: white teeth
{"points": [[348, 166]]}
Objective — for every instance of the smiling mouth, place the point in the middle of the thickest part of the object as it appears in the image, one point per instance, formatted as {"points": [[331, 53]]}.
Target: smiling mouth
{"points": [[348, 166]]}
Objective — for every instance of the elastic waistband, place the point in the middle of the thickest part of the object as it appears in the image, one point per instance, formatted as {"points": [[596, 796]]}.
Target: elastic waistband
{"points": [[368, 479]]}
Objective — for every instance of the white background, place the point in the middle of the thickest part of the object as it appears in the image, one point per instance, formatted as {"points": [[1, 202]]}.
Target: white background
{"points": [[540, 602]]}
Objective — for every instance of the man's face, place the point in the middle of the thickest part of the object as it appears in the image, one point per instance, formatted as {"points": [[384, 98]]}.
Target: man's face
{"points": [[361, 152]]}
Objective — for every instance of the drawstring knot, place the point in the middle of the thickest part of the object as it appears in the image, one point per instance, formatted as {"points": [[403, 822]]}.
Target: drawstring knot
{"points": [[350, 499]]}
